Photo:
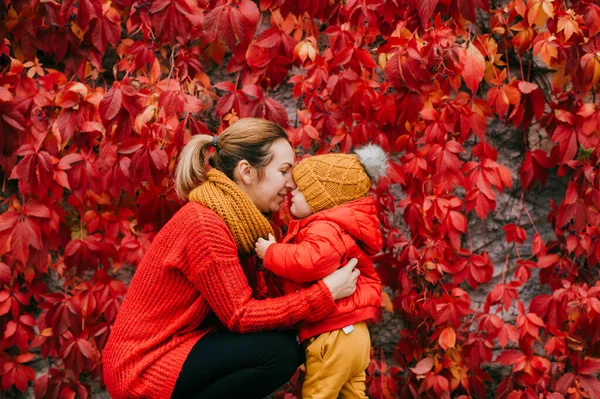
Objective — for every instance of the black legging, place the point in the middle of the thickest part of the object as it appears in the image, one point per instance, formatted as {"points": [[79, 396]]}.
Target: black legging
{"points": [[229, 365]]}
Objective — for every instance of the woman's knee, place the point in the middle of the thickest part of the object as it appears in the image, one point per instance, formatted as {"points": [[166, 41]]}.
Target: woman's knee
{"points": [[282, 353]]}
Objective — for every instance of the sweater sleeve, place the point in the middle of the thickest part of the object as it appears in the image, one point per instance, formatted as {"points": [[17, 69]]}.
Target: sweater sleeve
{"points": [[318, 254], [213, 267]]}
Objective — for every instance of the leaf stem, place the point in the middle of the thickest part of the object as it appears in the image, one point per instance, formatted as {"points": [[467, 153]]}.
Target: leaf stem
{"points": [[507, 64], [470, 240], [530, 219], [504, 270], [521, 67], [171, 66]]}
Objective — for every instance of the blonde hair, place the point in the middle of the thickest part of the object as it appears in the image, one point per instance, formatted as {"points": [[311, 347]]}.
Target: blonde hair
{"points": [[247, 139]]}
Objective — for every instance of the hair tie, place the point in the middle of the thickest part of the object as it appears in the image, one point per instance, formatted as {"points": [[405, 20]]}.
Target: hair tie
{"points": [[214, 142]]}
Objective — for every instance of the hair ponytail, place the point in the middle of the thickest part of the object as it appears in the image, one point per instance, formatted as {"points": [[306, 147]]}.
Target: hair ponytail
{"points": [[191, 167]]}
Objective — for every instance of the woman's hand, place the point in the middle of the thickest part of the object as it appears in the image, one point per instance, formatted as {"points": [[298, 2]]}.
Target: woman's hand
{"points": [[342, 282]]}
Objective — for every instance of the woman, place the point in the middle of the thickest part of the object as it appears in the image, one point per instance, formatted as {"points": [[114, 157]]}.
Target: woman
{"points": [[177, 333]]}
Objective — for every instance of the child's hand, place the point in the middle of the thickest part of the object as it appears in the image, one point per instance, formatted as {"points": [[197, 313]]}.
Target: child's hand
{"points": [[262, 245]]}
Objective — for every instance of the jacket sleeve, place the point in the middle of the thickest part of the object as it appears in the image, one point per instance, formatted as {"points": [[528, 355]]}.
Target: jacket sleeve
{"points": [[318, 254], [213, 267]]}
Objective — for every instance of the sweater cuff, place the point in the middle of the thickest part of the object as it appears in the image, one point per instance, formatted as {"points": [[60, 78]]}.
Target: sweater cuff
{"points": [[267, 261], [320, 300]]}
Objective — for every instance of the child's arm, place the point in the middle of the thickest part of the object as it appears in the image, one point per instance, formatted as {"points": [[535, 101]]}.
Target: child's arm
{"points": [[318, 255]]}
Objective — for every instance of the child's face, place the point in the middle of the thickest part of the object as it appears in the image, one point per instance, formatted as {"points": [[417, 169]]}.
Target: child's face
{"points": [[299, 208]]}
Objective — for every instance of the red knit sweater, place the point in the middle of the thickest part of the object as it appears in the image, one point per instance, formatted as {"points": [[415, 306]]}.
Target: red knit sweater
{"points": [[191, 269]]}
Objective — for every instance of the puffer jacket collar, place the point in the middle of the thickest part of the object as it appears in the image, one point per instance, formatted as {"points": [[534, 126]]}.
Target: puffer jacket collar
{"points": [[358, 218]]}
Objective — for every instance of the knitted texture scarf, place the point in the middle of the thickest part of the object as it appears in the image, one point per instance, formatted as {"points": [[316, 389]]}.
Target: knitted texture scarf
{"points": [[226, 199]]}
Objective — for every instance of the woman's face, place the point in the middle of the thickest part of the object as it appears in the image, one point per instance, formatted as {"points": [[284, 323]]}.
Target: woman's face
{"points": [[269, 190]]}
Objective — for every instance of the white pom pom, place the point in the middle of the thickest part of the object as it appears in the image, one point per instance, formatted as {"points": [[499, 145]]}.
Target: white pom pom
{"points": [[374, 159]]}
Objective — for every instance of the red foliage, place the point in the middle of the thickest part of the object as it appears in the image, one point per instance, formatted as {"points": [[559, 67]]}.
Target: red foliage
{"points": [[98, 97]]}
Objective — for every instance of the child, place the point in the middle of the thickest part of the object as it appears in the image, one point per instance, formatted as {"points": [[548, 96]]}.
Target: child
{"points": [[336, 221]]}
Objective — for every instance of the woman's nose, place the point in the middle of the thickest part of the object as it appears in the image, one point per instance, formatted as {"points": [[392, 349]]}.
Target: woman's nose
{"points": [[290, 184]]}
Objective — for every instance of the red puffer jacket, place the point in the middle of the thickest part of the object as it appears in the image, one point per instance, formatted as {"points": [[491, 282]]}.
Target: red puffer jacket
{"points": [[316, 246]]}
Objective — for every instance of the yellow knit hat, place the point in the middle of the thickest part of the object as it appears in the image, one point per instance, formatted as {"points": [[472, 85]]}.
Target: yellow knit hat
{"points": [[330, 180], [334, 179]]}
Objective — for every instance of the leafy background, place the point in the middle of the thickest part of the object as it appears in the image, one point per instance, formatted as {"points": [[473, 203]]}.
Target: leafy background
{"points": [[490, 212]]}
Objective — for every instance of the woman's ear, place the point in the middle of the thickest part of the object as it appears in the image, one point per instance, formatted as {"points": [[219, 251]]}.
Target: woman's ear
{"points": [[245, 172]]}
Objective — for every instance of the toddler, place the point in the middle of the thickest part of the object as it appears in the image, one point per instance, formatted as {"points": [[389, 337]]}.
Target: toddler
{"points": [[336, 221]]}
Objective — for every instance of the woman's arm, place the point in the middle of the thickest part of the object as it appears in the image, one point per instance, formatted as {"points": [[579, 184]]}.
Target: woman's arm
{"points": [[214, 268]]}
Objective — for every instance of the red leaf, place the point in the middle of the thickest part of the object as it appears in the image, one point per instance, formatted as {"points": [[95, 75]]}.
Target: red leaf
{"points": [[11, 328], [252, 92], [27, 320], [175, 19], [83, 254], [303, 136], [515, 233], [225, 86], [510, 357], [171, 102], [41, 386], [5, 273], [538, 248], [25, 357], [589, 366], [474, 68], [481, 269], [107, 29], [111, 103], [423, 366], [69, 159], [535, 168], [36, 209], [131, 146], [64, 126], [5, 95], [591, 385], [425, 9], [548, 260], [459, 221], [275, 112], [14, 118], [540, 304], [26, 232], [229, 23], [566, 137], [238, 101], [88, 10], [565, 382], [386, 302], [507, 333], [86, 348], [565, 117], [8, 220], [160, 158], [270, 38], [535, 319], [447, 338]]}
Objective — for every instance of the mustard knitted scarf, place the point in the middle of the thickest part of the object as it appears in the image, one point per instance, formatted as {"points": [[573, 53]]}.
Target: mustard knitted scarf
{"points": [[227, 200]]}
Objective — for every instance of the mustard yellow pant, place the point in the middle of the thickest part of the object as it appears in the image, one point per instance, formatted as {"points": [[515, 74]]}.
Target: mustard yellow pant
{"points": [[336, 364]]}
